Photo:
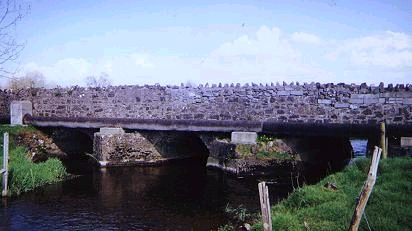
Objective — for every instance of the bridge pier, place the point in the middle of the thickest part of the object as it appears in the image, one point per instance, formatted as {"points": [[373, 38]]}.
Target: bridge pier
{"points": [[115, 147]]}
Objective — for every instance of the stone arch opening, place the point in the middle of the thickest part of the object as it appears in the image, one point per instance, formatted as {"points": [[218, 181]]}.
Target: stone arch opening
{"points": [[72, 146], [178, 145]]}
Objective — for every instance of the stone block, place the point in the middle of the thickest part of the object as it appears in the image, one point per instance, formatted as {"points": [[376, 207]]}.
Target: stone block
{"points": [[324, 101], [17, 111], [394, 100], [406, 141], [356, 100], [370, 100], [388, 94], [283, 93], [404, 94], [244, 137], [357, 96], [407, 101], [111, 131], [341, 105], [371, 96], [296, 93]]}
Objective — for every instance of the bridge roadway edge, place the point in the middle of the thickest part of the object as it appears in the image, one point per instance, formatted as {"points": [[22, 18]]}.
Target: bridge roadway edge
{"points": [[265, 127]]}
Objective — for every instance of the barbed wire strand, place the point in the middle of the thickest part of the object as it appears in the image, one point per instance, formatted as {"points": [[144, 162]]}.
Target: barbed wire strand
{"points": [[367, 222]]}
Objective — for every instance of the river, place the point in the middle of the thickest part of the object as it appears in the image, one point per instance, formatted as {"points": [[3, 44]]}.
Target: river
{"points": [[181, 196]]}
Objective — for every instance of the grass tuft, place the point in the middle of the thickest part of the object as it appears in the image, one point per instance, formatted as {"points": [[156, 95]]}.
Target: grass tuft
{"points": [[24, 175]]}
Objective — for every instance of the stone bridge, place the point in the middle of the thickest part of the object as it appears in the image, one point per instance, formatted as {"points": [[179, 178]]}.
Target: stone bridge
{"points": [[343, 110]]}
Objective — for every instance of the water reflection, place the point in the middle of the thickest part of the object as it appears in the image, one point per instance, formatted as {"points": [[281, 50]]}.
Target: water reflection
{"points": [[180, 196], [359, 146]]}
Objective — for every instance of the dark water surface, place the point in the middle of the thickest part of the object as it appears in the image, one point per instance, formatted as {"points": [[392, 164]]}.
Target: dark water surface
{"points": [[180, 196]]}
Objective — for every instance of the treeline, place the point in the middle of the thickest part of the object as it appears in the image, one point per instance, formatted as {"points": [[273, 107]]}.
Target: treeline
{"points": [[36, 79]]}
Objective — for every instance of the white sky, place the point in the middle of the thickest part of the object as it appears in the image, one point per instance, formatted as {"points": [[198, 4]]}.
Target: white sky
{"points": [[260, 41]]}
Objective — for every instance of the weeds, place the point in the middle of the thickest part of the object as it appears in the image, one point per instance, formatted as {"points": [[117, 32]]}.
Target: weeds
{"points": [[265, 138], [24, 175], [237, 216], [273, 155]]}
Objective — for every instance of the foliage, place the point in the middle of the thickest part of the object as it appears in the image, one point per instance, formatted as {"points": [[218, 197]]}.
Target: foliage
{"points": [[265, 138], [13, 132], [273, 155], [317, 207], [243, 150], [264, 149], [227, 227], [237, 216], [34, 79], [102, 81], [24, 175]]}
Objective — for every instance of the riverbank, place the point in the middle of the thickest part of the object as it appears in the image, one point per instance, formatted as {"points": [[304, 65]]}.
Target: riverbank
{"points": [[24, 174], [324, 207]]}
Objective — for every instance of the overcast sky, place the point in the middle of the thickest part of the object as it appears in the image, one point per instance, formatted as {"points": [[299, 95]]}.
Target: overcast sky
{"points": [[243, 41]]}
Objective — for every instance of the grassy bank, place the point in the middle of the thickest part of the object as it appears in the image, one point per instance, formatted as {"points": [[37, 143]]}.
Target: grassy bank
{"points": [[24, 175], [317, 207]]}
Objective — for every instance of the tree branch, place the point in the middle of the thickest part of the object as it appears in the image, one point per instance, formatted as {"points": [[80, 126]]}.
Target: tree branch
{"points": [[11, 12]]}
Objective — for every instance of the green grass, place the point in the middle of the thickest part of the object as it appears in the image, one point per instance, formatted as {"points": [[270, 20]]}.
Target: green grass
{"points": [[318, 208], [243, 150], [265, 138], [24, 175], [262, 149], [273, 155]]}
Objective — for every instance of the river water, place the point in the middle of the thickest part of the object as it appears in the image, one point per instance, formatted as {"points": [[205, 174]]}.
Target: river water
{"points": [[180, 196]]}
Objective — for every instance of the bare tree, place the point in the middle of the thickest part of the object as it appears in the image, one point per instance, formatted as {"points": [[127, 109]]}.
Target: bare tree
{"points": [[11, 13], [34, 79], [102, 81]]}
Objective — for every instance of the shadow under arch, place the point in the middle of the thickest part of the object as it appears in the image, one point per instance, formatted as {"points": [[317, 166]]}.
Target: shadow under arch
{"points": [[178, 144], [73, 146]]}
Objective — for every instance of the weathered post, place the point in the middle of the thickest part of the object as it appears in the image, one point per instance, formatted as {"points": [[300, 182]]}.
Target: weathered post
{"points": [[366, 190], [5, 170], [383, 141], [265, 206]]}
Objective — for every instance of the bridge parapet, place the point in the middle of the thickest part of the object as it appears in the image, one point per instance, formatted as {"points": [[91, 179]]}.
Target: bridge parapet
{"points": [[293, 103]]}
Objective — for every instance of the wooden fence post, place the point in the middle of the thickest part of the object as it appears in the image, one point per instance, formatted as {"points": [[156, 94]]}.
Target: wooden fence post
{"points": [[383, 141], [265, 206], [366, 190], [5, 169]]}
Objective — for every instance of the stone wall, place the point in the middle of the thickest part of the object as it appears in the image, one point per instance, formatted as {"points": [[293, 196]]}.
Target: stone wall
{"points": [[315, 103], [146, 148], [289, 154]]}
